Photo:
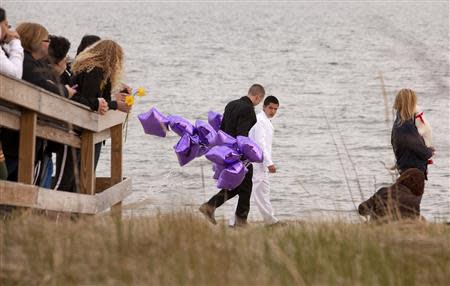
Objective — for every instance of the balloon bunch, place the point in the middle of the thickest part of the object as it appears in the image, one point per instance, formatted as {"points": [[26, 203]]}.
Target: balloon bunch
{"points": [[230, 155]]}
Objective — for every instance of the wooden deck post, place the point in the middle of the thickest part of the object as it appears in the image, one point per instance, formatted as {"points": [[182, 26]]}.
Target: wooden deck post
{"points": [[27, 145], [87, 172], [116, 163]]}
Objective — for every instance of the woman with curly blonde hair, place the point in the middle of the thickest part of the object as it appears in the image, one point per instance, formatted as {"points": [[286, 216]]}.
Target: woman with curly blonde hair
{"points": [[409, 146], [97, 71]]}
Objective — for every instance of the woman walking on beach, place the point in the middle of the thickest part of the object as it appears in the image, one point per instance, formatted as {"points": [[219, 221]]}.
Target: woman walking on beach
{"points": [[408, 145]]}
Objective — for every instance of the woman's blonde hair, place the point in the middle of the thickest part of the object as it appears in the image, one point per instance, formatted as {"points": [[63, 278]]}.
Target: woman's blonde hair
{"points": [[31, 35], [405, 104], [106, 55]]}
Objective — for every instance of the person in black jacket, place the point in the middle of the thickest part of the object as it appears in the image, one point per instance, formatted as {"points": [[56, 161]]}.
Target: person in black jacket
{"points": [[35, 41], [409, 147], [238, 119], [97, 71]]}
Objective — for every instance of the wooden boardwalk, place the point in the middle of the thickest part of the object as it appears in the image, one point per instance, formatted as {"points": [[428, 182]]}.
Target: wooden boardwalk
{"points": [[35, 112]]}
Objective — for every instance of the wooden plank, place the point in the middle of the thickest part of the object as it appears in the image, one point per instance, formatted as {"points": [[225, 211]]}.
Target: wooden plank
{"points": [[116, 163], [65, 110], [9, 120], [102, 183], [28, 96], [116, 154], [114, 195], [12, 121], [32, 97], [65, 202], [110, 119], [87, 173], [17, 194], [101, 136], [27, 146], [58, 135], [18, 91]]}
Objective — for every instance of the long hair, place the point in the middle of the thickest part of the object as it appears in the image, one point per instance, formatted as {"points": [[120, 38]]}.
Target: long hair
{"points": [[106, 55], [405, 104], [31, 35]]}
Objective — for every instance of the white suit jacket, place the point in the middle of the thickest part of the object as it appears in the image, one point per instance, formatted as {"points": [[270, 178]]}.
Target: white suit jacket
{"points": [[262, 134]]}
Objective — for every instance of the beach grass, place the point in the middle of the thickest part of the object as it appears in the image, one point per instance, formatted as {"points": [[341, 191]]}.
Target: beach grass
{"points": [[184, 249]]}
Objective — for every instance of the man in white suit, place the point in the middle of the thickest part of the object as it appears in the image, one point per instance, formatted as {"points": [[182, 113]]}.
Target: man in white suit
{"points": [[262, 134]]}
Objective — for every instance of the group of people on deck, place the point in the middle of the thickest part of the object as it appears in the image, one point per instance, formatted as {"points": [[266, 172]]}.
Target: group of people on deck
{"points": [[94, 79]]}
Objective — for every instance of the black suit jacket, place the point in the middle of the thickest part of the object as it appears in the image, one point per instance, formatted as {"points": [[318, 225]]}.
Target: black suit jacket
{"points": [[239, 117]]}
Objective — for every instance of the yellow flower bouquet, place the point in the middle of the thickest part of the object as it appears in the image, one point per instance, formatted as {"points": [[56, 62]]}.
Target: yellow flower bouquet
{"points": [[129, 101]]}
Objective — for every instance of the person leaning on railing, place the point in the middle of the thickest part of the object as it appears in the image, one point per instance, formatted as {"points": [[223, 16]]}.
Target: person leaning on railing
{"points": [[11, 63], [11, 51], [56, 62], [97, 72], [35, 42]]}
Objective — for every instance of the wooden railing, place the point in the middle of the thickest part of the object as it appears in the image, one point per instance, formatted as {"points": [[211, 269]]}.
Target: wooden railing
{"points": [[35, 112]]}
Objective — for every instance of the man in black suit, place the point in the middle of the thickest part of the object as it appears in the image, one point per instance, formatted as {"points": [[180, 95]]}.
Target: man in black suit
{"points": [[238, 118]]}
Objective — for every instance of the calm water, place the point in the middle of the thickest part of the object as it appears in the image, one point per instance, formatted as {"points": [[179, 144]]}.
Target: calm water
{"points": [[322, 60]]}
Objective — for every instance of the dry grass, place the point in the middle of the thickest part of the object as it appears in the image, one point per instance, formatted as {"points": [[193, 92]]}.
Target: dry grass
{"points": [[183, 249]]}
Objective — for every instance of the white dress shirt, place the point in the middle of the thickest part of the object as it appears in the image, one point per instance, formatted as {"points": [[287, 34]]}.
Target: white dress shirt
{"points": [[262, 134]]}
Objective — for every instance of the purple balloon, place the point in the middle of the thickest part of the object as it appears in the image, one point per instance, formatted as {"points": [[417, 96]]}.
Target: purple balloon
{"points": [[203, 149], [250, 149], [223, 155], [215, 119], [218, 168], [154, 123], [206, 133], [232, 176], [225, 139], [186, 149], [180, 125]]}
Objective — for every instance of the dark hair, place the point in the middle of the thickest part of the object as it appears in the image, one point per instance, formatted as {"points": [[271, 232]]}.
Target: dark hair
{"points": [[271, 99], [87, 41], [58, 48], [256, 89], [2, 15]]}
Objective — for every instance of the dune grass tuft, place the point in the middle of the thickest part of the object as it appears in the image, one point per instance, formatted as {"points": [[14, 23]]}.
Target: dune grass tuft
{"points": [[183, 249]]}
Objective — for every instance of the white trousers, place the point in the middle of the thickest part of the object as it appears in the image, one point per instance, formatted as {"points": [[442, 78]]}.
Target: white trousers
{"points": [[260, 196]]}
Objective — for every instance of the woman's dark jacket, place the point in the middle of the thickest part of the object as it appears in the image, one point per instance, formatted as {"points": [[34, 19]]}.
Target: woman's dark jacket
{"points": [[90, 89], [37, 72], [409, 147]]}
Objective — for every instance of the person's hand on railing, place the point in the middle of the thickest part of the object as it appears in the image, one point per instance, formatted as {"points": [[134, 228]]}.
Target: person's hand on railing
{"points": [[70, 90], [102, 106]]}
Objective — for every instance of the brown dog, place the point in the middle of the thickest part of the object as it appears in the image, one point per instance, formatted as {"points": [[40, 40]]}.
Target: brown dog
{"points": [[399, 201]]}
